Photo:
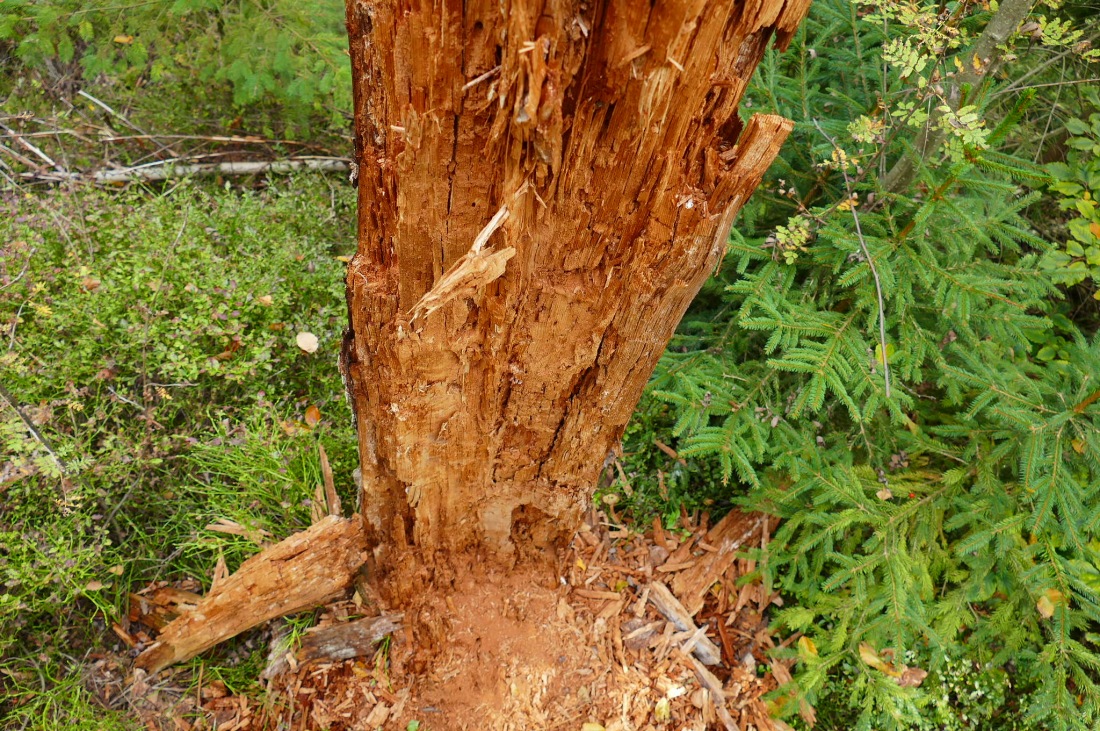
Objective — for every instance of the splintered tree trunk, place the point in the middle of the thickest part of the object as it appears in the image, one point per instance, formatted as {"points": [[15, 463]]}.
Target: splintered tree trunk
{"points": [[543, 189]]}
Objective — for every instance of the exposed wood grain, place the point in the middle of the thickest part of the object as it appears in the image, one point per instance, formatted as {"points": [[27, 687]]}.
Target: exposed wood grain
{"points": [[718, 693], [729, 535], [489, 391], [299, 573]]}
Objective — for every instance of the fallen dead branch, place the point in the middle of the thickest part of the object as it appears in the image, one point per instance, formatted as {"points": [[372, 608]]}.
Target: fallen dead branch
{"points": [[303, 571], [164, 170]]}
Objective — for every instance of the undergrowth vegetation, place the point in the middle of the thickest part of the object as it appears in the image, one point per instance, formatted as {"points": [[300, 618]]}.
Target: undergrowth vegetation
{"points": [[276, 67], [151, 339], [899, 357], [887, 363]]}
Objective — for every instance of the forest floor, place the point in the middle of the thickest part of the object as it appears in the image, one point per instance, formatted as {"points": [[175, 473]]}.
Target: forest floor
{"points": [[654, 630]]}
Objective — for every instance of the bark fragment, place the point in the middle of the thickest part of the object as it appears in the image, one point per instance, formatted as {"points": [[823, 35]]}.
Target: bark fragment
{"points": [[299, 573]]}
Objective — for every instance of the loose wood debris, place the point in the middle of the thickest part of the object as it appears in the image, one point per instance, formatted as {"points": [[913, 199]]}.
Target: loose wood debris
{"points": [[305, 570], [619, 647], [624, 648]]}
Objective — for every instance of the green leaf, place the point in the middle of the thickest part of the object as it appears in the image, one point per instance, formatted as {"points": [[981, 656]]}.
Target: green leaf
{"points": [[1078, 127]]}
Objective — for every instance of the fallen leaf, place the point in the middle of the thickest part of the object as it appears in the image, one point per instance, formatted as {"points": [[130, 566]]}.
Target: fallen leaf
{"points": [[806, 645], [1047, 602], [90, 284], [307, 341], [313, 415], [124, 40], [116, 570], [266, 300], [884, 494], [808, 713], [912, 677], [93, 586], [868, 655]]}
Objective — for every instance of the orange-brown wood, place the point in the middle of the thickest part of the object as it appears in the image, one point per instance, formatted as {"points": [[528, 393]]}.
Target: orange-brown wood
{"points": [[543, 189], [303, 571]]}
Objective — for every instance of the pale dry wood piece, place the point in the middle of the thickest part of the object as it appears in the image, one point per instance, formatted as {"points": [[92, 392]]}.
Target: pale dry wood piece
{"points": [[347, 640], [729, 535], [221, 572], [670, 607], [332, 500], [612, 609], [303, 571], [714, 685]]}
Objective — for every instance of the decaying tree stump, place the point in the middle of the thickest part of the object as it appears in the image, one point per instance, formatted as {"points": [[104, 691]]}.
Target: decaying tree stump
{"points": [[543, 188]]}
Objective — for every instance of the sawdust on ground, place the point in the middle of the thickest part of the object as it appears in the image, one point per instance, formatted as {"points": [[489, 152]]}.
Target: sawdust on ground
{"points": [[524, 649]]}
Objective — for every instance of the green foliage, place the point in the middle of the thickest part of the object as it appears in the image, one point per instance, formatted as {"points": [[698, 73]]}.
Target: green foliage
{"points": [[66, 705], [288, 53], [152, 345], [889, 372], [961, 696], [1077, 185]]}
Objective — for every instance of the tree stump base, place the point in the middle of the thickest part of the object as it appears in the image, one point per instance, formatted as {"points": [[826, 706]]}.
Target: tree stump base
{"points": [[486, 646]]}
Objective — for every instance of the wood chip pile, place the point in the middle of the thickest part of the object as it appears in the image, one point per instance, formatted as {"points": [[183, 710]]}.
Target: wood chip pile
{"points": [[645, 633]]}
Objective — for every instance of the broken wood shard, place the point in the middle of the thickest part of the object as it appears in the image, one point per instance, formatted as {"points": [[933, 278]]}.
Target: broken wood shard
{"points": [[704, 648], [731, 533], [301, 572], [348, 640]]}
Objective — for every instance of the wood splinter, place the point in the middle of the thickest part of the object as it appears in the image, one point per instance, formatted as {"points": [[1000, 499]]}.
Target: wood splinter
{"points": [[303, 571], [700, 645]]}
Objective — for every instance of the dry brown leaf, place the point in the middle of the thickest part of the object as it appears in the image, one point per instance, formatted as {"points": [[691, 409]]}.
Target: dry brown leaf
{"points": [[912, 677], [1046, 604], [313, 416], [872, 658], [809, 715]]}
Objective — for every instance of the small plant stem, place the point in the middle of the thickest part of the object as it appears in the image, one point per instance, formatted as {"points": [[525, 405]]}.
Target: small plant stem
{"points": [[870, 262], [6, 395], [986, 55], [1086, 402]]}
